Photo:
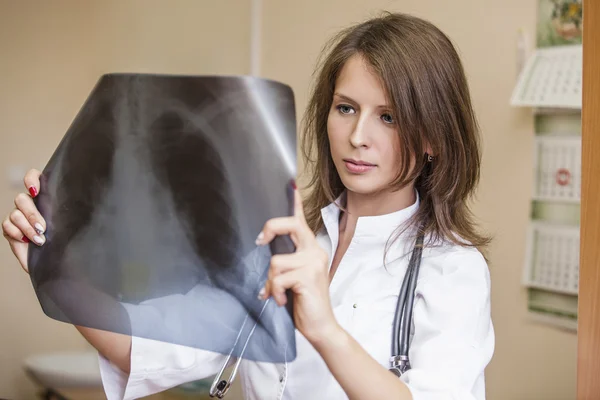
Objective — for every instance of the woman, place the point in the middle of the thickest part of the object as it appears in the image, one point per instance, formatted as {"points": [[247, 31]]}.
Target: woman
{"points": [[392, 140]]}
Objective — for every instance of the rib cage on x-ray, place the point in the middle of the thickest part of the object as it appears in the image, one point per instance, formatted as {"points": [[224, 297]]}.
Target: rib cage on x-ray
{"points": [[153, 200]]}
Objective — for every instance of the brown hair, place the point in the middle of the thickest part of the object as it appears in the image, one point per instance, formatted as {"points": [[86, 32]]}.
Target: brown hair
{"points": [[423, 77]]}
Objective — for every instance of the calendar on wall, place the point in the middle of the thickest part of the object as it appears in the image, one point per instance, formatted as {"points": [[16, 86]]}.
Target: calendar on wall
{"points": [[552, 260], [551, 78], [550, 83], [557, 163]]}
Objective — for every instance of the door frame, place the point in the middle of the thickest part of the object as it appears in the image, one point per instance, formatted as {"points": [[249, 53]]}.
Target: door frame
{"points": [[588, 332]]}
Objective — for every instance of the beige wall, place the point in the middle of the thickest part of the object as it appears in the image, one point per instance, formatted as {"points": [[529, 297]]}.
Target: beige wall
{"points": [[53, 54]]}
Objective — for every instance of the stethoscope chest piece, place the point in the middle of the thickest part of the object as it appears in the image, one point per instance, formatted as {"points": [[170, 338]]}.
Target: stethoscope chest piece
{"points": [[399, 365]]}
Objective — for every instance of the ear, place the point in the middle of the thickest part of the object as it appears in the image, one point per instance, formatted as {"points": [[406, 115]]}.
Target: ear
{"points": [[429, 150]]}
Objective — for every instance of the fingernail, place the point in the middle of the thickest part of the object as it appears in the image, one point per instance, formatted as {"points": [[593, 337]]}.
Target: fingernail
{"points": [[25, 239], [293, 183], [261, 294], [33, 191], [259, 238], [39, 228], [39, 239]]}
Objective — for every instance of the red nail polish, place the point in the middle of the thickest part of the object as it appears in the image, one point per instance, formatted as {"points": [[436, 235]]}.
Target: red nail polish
{"points": [[25, 239], [294, 184], [33, 191]]}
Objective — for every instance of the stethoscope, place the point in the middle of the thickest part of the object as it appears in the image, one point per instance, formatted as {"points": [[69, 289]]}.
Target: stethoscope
{"points": [[399, 362]]}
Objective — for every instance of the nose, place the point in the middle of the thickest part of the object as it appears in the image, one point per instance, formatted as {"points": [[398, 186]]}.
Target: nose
{"points": [[360, 136]]}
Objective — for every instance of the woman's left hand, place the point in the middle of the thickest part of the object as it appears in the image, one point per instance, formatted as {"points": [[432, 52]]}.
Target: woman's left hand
{"points": [[304, 272]]}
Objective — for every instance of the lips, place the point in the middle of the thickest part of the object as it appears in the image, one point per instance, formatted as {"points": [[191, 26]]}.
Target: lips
{"points": [[358, 162], [358, 166]]}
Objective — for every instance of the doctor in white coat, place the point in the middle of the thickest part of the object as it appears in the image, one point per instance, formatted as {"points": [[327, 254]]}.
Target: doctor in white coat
{"points": [[392, 141]]}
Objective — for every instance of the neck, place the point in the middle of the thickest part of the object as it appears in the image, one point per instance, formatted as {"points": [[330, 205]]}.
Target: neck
{"points": [[363, 205]]}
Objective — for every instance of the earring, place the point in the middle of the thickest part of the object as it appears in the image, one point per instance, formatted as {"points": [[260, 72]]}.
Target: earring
{"points": [[429, 157]]}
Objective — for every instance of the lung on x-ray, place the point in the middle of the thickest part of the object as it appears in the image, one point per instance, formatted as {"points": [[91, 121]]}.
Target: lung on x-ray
{"points": [[153, 201]]}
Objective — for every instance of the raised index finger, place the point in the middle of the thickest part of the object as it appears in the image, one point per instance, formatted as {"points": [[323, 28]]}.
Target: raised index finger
{"points": [[32, 182], [298, 207]]}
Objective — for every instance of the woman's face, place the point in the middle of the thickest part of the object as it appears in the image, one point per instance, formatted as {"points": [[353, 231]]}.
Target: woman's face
{"points": [[363, 133]]}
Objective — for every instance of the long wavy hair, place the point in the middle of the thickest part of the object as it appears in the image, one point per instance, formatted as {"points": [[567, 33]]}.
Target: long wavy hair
{"points": [[426, 86]]}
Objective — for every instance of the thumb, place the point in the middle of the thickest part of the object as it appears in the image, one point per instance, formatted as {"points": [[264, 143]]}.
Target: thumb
{"points": [[20, 251]]}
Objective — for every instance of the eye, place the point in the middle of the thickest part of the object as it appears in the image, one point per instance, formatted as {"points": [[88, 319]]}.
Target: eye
{"points": [[387, 118], [345, 109]]}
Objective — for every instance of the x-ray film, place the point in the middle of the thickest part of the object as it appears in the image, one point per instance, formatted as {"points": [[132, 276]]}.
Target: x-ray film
{"points": [[153, 200]]}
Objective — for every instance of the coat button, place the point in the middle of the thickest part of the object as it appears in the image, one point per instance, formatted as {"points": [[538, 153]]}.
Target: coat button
{"points": [[281, 378], [354, 305]]}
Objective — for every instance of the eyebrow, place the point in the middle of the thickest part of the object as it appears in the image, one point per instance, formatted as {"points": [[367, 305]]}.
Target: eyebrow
{"points": [[351, 100]]}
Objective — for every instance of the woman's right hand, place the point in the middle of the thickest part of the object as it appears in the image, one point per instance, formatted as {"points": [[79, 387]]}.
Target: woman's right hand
{"points": [[25, 224]]}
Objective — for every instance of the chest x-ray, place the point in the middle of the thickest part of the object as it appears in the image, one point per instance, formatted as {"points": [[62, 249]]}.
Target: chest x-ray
{"points": [[153, 201]]}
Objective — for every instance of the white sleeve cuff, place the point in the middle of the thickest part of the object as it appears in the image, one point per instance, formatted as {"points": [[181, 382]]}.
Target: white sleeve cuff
{"points": [[156, 367], [114, 380]]}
